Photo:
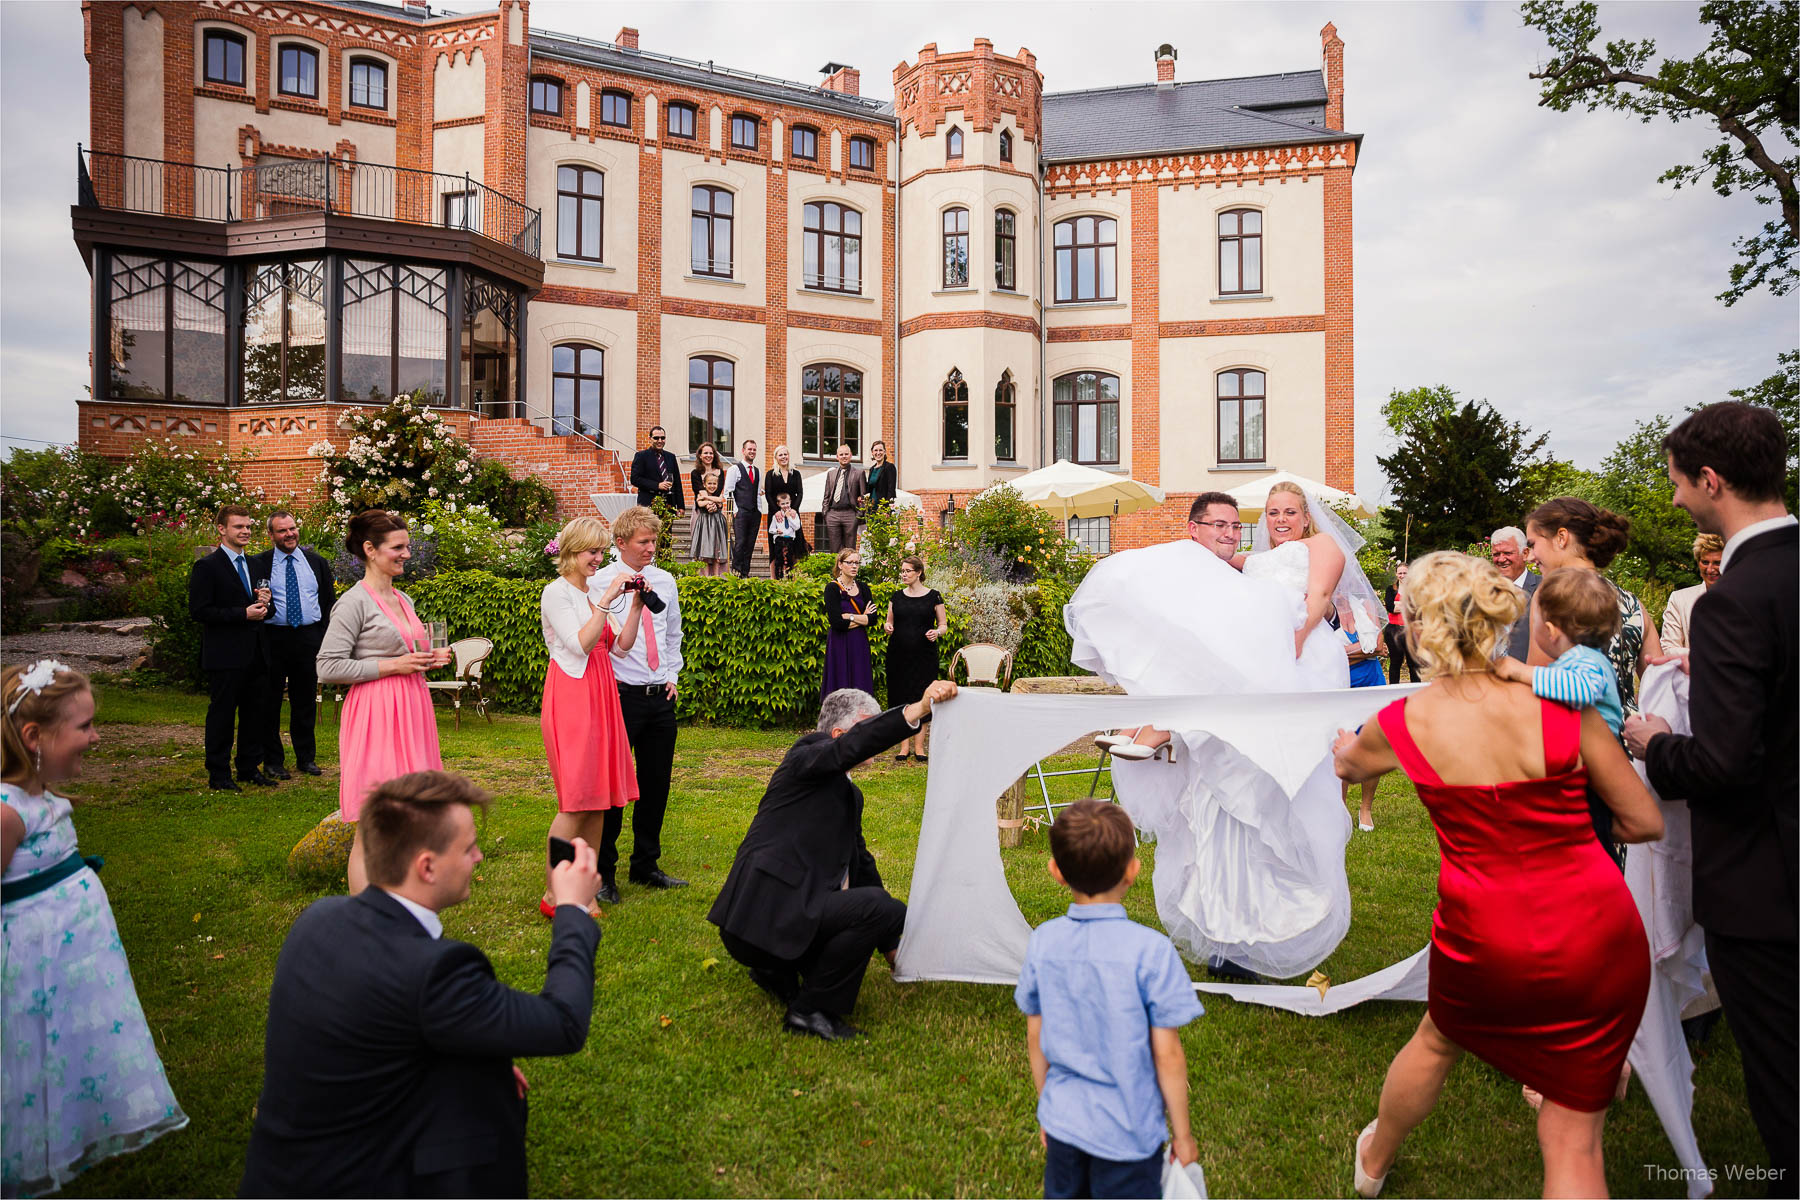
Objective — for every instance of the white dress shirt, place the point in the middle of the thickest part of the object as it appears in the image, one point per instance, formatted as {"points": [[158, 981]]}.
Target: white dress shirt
{"points": [[303, 575], [430, 920], [633, 667], [735, 474], [1749, 531], [565, 608]]}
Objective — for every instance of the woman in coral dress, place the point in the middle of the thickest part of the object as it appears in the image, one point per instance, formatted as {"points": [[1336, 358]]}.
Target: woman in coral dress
{"points": [[584, 729], [377, 645], [1528, 901]]}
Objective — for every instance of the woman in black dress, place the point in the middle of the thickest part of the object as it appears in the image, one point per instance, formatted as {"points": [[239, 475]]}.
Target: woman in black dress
{"points": [[915, 622]]}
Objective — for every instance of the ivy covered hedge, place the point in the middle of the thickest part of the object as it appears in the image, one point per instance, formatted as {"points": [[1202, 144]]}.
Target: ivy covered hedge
{"points": [[754, 648]]}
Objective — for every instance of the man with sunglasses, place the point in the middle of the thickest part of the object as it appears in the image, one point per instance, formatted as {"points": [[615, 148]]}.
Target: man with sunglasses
{"points": [[655, 473]]}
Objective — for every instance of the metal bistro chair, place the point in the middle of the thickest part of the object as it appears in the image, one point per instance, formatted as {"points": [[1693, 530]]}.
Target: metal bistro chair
{"points": [[986, 664], [469, 654]]}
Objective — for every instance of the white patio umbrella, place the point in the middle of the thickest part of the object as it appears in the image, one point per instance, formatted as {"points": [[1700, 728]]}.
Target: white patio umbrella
{"points": [[813, 499], [1070, 490], [1251, 496]]}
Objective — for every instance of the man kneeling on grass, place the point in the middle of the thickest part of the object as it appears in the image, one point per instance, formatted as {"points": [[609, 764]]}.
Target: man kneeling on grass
{"points": [[1103, 999], [804, 907]]}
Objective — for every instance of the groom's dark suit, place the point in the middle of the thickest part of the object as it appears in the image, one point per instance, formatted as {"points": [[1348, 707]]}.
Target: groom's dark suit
{"points": [[784, 905], [1739, 774], [388, 1057], [234, 656]]}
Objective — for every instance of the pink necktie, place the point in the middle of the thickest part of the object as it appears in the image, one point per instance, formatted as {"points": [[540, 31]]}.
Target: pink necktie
{"points": [[650, 655]]}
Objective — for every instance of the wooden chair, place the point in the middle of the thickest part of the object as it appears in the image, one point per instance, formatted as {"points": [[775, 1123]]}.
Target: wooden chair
{"points": [[987, 665], [469, 654]]}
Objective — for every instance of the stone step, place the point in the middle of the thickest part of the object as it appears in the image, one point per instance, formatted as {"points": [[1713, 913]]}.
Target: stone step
{"points": [[132, 627]]}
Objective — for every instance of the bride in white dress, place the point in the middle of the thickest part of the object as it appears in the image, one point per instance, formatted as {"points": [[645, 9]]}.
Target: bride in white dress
{"points": [[1243, 872]]}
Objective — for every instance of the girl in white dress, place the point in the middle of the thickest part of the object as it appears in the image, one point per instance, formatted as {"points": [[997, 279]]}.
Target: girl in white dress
{"points": [[1244, 872], [82, 1078]]}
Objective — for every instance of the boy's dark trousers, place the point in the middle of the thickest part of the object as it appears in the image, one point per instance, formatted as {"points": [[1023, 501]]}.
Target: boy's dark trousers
{"points": [[1072, 1172]]}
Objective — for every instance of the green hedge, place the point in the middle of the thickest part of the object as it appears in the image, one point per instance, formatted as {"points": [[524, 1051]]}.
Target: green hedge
{"points": [[754, 648]]}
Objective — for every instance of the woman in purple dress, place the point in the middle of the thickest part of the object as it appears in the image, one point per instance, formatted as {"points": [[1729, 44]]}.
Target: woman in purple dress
{"points": [[849, 608]]}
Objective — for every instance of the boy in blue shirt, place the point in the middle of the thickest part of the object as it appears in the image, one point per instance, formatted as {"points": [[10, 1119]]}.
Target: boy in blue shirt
{"points": [[1103, 999]]}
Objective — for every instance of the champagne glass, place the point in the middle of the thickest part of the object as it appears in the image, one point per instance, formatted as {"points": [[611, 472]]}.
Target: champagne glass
{"points": [[440, 640], [264, 594]]}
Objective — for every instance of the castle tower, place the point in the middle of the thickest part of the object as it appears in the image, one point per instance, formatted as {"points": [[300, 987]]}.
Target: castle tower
{"points": [[970, 299]]}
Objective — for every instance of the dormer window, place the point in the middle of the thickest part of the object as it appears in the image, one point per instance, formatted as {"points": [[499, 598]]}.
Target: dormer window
{"points": [[953, 143], [681, 120]]}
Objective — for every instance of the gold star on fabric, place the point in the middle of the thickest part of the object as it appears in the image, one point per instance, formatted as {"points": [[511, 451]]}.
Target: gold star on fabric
{"points": [[1320, 980]]}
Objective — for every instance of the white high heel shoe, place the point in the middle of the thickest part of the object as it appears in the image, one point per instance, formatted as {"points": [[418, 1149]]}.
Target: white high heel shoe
{"points": [[1367, 1186]]}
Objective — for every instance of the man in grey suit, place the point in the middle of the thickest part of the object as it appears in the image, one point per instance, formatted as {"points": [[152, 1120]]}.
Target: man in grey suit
{"points": [[1508, 547], [841, 504]]}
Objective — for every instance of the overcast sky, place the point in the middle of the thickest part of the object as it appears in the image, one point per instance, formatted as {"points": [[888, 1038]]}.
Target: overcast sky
{"points": [[1515, 254]]}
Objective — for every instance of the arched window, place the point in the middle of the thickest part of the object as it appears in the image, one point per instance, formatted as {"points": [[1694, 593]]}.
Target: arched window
{"points": [[953, 143], [803, 142], [710, 390], [546, 96], [831, 247], [577, 389], [956, 416], [615, 108], [1242, 395], [1240, 252], [1006, 228], [1087, 417], [862, 154], [368, 83], [680, 121], [711, 240], [224, 58], [1006, 407], [299, 72], [956, 247], [1087, 259], [578, 210], [830, 410], [1005, 145], [744, 131]]}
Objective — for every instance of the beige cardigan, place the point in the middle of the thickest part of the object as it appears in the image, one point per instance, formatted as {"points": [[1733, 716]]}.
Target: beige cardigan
{"points": [[359, 637]]}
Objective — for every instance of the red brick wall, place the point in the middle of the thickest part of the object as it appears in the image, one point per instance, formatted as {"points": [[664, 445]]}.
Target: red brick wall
{"points": [[1146, 338]]}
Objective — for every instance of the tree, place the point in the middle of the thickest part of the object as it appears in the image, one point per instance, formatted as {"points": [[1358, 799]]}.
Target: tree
{"points": [[1460, 475], [1634, 482], [1552, 477], [1405, 408], [1781, 392], [1744, 81]]}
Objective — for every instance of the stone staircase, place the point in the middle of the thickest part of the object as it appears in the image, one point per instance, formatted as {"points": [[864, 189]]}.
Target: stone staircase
{"points": [[684, 545], [574, 468]]}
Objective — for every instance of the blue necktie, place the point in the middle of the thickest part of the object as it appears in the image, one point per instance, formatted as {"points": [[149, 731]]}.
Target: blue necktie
{"points": [[293, 593], [244, 576]]}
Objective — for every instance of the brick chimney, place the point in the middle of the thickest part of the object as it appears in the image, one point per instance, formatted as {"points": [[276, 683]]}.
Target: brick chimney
{"points": [[1332, 51], [1165, 66], [626, 39], [416, 8], [839, 78]]}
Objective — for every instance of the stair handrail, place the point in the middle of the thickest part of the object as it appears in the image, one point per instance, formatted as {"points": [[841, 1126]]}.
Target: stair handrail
{"points": [[618, 449]]}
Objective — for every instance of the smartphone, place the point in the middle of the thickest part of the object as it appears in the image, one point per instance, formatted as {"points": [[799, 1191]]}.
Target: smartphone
{"points": [[561, 850]]}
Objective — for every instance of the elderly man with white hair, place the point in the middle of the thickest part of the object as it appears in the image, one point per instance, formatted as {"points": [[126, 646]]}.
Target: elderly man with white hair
{"points": [[1507, 545], [804, 906]]}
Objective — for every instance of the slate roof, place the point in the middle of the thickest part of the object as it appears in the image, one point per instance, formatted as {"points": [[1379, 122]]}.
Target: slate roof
{"points": [[1205, 114], [706, 75]]}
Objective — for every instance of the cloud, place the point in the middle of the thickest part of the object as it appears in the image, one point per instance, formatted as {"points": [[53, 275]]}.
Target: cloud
{"points": [[1516, 254]]}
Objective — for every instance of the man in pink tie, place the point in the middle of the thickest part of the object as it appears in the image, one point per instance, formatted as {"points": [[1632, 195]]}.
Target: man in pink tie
{"points": [[647, 676]]}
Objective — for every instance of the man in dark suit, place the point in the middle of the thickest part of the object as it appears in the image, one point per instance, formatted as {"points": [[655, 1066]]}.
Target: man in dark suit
{"points": [[302, 593], [231, 612], [803, 906], [1740, 769], [743, 483], [388, 1058], [655, 473], [1507, 547], [841, 502]]}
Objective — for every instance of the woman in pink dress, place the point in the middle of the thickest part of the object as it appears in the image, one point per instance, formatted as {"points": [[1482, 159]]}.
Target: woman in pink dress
{"points": [[377, 645], [584, 729]]}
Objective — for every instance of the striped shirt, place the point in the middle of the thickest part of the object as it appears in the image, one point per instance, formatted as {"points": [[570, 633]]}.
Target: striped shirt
{"points": [[1579, 678]]}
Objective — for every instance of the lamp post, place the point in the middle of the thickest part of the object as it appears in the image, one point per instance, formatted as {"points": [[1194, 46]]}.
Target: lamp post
{"points": [[949, 513]]}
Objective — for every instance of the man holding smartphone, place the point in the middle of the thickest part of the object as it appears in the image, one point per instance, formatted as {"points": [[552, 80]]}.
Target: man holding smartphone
{"points": [[647, 675]]}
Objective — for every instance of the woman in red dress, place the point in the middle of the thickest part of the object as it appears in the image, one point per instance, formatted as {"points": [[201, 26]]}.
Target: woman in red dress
{"points": [[584, 730], [1528, 901]]}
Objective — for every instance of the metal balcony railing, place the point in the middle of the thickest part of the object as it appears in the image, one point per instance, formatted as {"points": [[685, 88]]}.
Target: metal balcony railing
{"points": [[294, 186]]}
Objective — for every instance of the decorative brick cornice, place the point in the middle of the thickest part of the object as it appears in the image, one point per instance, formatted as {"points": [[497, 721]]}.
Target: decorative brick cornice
{"points": [[1090, 333], [973, 166], [1242, 325], [969, 320], [591, 297], [830, 324], [313, 21], [214, 92], [678, 306], [1218, 169], [456, 122]]}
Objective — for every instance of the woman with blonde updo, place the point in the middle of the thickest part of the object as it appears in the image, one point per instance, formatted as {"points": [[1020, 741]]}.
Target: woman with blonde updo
{"points": [[83, 1080], [584, 728], [1528, 901]]}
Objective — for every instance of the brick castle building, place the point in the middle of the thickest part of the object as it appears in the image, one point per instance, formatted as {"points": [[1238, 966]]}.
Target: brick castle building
{"points": [[289, 207]]}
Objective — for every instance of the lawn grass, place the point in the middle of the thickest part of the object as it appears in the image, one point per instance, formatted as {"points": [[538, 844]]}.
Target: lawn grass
{"points": [[687, 1086]]}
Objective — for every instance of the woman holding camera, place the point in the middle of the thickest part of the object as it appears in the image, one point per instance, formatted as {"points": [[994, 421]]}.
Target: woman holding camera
{"points": [[584, 730], [849, 609], [377, 645]]}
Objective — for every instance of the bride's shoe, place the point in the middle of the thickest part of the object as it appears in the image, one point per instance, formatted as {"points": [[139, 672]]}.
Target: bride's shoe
{"points": [[1367, 1186], [1132, 752], [1111, 741]]}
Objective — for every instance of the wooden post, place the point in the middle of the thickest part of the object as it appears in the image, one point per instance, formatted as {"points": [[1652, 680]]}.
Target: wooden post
{"points": [[1009, 814]]}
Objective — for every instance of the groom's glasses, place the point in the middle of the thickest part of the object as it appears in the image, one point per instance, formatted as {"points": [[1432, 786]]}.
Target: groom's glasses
{"points": [[1222, 526]]}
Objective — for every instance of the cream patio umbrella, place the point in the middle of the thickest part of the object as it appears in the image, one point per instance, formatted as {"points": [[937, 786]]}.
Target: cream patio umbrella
{"points": [[1070, 490], [1250, 496]]}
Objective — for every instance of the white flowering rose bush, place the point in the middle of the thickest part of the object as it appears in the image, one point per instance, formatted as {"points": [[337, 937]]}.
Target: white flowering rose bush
{"points": [[170, 483], [400, 457]]}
